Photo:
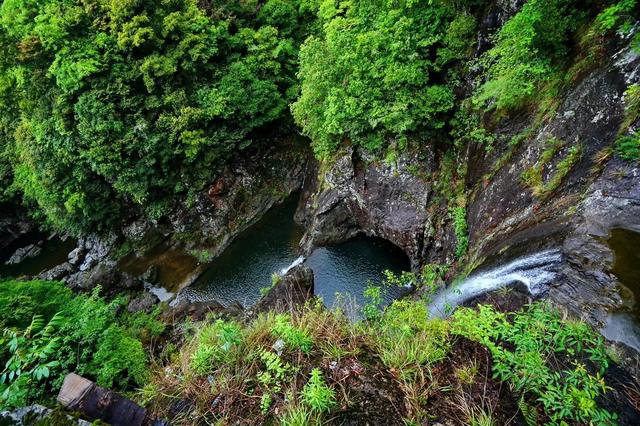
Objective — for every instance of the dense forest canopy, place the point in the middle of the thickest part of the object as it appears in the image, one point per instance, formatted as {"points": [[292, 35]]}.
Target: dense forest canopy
{"points": [[109, 108], [111, 103]]}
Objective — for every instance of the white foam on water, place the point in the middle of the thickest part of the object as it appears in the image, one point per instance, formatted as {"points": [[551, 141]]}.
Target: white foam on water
{"points": [[299, 260], [534, 271]]}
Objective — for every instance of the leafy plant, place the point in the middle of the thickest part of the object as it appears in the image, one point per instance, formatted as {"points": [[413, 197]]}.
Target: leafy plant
{"points": [[373, 296], [276, 371], [377, 100], [317, 394], [523, 345], [116, 110], [407, 339], [214, 346], [32, 357], [628, 147], [92, 340], [461, 230], [528, 52], [292, 335]]}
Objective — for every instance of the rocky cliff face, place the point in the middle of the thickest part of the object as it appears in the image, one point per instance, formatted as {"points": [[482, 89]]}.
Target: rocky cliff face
{"points": [[358, 194], [505, 216], [242, 192]]}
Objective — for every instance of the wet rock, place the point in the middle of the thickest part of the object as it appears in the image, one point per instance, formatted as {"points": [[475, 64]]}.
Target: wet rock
{"points": [[234, 309], [58, 272], [142, 303], [32, 250], [197, 311], [76, 256], [358, 194], [14, 225], [105, 274], [294, 289], [38, 414], [505, 218], [245, 189], [150, 275]]}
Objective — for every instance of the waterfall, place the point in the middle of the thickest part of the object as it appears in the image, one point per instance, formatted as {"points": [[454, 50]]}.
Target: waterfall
{"points": [[299, 260], [161, 293], [534, 271]]}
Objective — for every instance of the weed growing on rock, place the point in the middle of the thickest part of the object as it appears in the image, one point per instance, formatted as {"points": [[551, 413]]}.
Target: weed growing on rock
{"points": [[316, 394], [294, 337]]}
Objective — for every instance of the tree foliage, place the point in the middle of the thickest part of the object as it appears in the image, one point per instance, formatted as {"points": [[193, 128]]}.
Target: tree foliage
{"points": [[376, 72], [84, 334], [110, 105]]}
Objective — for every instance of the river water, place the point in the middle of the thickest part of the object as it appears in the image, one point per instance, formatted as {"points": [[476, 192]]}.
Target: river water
{"points": [[624, 325], [271, 245]]}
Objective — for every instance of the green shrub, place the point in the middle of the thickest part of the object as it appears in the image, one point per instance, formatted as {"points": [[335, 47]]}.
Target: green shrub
{"points": [[373, 299], [293, 336], [316, 394], [272, 378], [461, 230], [529, 51], [375, 73], [628, 147], [32, 358], [92, 340], [215, 345], [540, 354], [618, 17], [120, 360], [21, 300], [116, 108], [407, 339]]}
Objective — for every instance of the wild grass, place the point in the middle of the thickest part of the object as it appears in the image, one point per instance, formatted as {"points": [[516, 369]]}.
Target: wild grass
{"points": [[533, 176], [240, 375]]}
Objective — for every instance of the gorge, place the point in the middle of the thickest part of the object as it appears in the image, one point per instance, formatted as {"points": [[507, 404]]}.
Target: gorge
{"points": [[465, 174]]}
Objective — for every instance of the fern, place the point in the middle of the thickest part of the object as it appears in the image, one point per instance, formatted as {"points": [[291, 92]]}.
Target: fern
{"points": [[528, 411]]}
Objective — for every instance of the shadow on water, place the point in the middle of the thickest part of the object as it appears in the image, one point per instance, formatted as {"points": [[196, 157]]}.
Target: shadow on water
{"points": [[347, 268], [624, 326], [174, 266], [54, 252], [272, 245], [245, 267]]}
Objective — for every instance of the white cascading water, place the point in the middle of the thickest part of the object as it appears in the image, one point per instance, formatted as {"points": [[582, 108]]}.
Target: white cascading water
{"points": [[299, 260], [535, 271], [161, 293]]}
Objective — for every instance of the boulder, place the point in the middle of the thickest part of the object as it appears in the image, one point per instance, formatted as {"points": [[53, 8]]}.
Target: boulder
{"points": [[32, 250], [58, 272], [142, 303], [197, 311], [38, 414], [294, 289]]}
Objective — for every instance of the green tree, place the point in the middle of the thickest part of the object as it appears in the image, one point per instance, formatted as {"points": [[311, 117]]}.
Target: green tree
{"points": [[113, 108], [377, 71]]}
